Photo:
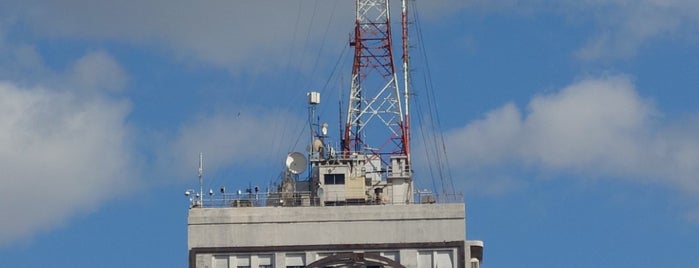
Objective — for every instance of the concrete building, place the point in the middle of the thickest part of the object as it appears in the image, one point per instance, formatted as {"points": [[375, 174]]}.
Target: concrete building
{"points": [[357, 205], [409, 235]]}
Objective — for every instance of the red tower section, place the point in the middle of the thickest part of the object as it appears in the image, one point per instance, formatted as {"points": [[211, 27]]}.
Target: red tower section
{"points": [[376, 122]]}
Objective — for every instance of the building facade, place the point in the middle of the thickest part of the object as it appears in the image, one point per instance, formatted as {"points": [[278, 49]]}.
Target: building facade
{"points": [[409, 235]]}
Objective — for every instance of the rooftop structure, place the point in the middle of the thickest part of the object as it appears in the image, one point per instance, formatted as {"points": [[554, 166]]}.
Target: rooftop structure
{"points": [[358, 206]]}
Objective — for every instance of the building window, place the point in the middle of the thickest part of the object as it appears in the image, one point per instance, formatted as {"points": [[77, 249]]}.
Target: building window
{"points": [[242, 261], [265, 261], [296, 260], [435, 259], [393, 255], [424, 259], [334, 179], [443, 259], [221, 261]]}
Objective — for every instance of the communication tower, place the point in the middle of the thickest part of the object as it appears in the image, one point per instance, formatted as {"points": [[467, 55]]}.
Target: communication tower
{"points": [[358, 207], [375, 101], [376, 128]]}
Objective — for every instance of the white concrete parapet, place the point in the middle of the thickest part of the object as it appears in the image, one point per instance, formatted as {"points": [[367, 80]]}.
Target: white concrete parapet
{"points": [[279, 226]]}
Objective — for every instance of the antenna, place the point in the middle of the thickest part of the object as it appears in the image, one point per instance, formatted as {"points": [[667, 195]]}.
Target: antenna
{"points": [[406, 79], [313, 101], [201, 180]]}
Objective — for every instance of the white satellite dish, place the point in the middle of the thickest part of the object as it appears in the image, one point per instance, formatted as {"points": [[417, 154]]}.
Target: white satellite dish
{"points": [[324, 129], [296, 163]]}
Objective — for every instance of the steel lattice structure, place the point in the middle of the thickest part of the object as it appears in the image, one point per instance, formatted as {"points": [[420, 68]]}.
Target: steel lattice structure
{"points": [[375, 100]]}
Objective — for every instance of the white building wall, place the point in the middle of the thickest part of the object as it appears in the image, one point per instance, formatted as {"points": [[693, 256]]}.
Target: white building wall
{"points": [[279, 226], [298, 228], [412, 258]]}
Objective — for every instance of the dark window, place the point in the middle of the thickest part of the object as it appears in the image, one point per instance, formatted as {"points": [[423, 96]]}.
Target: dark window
{"points": [[334, 178]]}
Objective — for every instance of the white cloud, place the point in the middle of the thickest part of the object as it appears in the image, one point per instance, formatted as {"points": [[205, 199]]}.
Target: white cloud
{"points": [[248, 138], [97, 70], [595, 128], [263, 35], [62, 152], [61, 155], [620, 27], [592, 122], [240, 35], [20, 60], [626, 26]]}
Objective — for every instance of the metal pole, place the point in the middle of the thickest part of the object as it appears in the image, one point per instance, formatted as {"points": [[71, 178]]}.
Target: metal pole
{"points": [[201, 180]]}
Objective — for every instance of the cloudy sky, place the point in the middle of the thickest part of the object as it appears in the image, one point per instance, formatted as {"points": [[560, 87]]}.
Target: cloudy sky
{"points": [[572, 127]]}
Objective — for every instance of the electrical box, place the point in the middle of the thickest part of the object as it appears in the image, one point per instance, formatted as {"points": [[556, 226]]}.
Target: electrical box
{"points": [[313, 97]]}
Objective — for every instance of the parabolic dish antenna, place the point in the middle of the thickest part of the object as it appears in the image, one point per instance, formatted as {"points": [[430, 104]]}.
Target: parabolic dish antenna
{"points": [[296, 163]]}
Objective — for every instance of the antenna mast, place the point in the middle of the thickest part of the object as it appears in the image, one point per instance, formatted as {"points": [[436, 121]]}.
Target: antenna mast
{"points": [[374, 102], [406, 78], [201, 180]]}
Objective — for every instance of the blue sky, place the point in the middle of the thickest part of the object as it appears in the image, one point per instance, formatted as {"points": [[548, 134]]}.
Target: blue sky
{"points": [[572, 127]]}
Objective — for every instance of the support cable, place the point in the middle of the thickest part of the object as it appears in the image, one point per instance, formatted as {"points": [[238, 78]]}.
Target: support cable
{"points": [[438, 139]]}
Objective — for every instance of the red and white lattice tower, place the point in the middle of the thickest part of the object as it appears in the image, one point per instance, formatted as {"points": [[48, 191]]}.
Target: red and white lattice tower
{"points": [[375, 103]]}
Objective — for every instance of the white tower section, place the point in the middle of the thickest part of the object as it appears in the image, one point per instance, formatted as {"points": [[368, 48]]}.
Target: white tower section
{"points": [[374, 116]]}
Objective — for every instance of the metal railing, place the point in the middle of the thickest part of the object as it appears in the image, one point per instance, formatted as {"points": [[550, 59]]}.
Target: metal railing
{"points": [[306, 199]]}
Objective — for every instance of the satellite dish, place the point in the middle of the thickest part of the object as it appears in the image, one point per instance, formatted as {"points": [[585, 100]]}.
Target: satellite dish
{"points": [[296, 162], [324, 129]]}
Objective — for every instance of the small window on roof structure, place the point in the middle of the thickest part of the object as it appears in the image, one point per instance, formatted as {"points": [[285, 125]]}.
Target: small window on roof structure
{"points": [[334, 178]]}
